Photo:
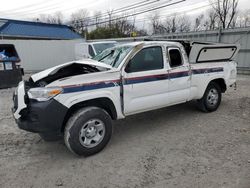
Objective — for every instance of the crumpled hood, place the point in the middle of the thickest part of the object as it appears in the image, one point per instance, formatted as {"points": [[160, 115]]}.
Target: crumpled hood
{"points": [[52, 70]]}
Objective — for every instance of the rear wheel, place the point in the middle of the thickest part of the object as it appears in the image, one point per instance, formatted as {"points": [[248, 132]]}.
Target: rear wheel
{"points": [[88, 131], [211, 99]]}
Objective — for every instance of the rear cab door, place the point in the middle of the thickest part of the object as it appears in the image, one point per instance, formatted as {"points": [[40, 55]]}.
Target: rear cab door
{"points": [[179, 75]]}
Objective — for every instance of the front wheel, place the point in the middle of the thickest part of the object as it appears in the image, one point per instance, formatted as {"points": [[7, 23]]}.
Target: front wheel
{"points": [[88, 131], [211, 99]]}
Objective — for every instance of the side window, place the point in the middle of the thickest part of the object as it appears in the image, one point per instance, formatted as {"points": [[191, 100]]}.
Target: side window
{"points": [[91, 51], [175, 57], [147, 59]]}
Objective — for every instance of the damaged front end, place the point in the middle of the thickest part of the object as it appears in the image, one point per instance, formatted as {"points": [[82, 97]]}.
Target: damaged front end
{"points": [[67, 70], [35, 108]]}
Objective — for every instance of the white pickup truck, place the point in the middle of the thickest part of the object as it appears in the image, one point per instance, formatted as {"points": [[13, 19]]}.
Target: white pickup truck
{"points": [[79, 99]]}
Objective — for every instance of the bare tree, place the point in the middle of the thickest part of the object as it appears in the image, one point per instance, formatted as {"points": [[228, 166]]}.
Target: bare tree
{"points": [[199, 23], [155, 21], [225, 10], [183, 24], [51, 19], [246, 18], [177, 24], [243, 19], [56, 18], [124, 25], [79, 20], [170, 24], [41, 18], [212, 20], [59, 17]]}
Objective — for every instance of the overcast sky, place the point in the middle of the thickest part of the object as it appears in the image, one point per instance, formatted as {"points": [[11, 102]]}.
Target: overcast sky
{"points": [[29, 9]]}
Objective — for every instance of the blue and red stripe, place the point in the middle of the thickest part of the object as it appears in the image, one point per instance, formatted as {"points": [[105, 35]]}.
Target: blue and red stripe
{"points": [[135, 80]]}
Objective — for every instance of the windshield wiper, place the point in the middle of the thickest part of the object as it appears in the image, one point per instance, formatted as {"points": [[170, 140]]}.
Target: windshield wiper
{"points": [[111, 52]]}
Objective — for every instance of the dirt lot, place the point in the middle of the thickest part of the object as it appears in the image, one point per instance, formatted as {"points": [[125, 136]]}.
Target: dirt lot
{"points": [[172, 147]]}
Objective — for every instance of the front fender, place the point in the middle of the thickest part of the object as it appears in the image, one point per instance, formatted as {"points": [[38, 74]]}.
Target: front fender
{"points": [[70, 99]]}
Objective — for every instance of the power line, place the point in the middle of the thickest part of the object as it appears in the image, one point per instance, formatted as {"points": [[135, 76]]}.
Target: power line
{"points": [[33, 11], [41, 5], [54, 6], [125, 8], [137, 13], [173, 14], [138, 3], [104, 16], [122, 9], [133, 14]]}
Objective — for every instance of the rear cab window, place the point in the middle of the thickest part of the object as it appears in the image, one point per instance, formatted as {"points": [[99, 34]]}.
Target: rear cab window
{"points": [[175, 57]]}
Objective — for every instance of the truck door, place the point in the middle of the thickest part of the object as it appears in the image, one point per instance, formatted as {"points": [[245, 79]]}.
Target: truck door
{"points": [[145, 81], [179, 77]]}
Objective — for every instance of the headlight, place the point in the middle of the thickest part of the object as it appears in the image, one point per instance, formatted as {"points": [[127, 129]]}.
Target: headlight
{"points": [[44, 93]]}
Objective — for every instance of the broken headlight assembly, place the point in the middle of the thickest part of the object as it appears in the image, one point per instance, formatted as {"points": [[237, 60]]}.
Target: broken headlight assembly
{"points": [[44, 93]]}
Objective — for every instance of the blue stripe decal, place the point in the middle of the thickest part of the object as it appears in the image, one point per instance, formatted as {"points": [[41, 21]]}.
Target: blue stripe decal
{"points": [[178, 74], [136, 80], [89, 87], [144, 79], [203, 71]]}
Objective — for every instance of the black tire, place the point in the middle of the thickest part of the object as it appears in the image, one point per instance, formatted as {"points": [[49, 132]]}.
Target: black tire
{"points": [[76, 124], [204, 103]]}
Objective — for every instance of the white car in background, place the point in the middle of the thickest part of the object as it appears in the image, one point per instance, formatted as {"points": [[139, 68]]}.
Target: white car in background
{"points": [[91, 49]]}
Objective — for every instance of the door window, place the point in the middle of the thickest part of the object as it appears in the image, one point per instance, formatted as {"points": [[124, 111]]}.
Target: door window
{"points": [[175, 57], [147, 59]]}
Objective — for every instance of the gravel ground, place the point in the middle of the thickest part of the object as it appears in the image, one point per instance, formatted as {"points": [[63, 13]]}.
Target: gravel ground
{"points": [[177, 146]]}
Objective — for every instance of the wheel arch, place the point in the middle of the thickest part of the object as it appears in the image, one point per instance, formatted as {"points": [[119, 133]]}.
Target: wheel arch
{"points": [[103, 102], [221, 82]]}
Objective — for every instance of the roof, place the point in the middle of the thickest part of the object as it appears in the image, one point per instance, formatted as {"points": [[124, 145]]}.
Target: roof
{"points": [[168, 43], [37, 30], [102, 42]]}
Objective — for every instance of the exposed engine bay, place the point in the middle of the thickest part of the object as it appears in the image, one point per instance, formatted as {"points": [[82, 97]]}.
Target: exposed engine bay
{"points": [[63, 73]]}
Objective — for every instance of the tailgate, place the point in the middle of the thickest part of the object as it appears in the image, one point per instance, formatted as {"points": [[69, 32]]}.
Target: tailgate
{"points": [[213, 52]]}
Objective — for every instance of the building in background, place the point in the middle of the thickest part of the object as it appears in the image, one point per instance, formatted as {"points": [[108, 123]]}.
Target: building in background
{"points": [[15, 29], [40, 45]]}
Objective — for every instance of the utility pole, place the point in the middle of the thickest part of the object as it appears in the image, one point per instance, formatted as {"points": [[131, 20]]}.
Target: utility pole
{"points": [[86, 33], [219, 34], [110, 16]]}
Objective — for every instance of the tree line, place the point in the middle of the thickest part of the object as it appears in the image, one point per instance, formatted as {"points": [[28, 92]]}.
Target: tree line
{"points": [[223, 14]]}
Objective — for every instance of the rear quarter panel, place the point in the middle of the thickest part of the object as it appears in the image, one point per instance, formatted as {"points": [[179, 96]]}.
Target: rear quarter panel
{"points": [[204, 73]]}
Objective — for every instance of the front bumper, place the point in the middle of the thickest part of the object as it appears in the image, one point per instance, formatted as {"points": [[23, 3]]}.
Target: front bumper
{"points": [[40, 117], [43, 117]]}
